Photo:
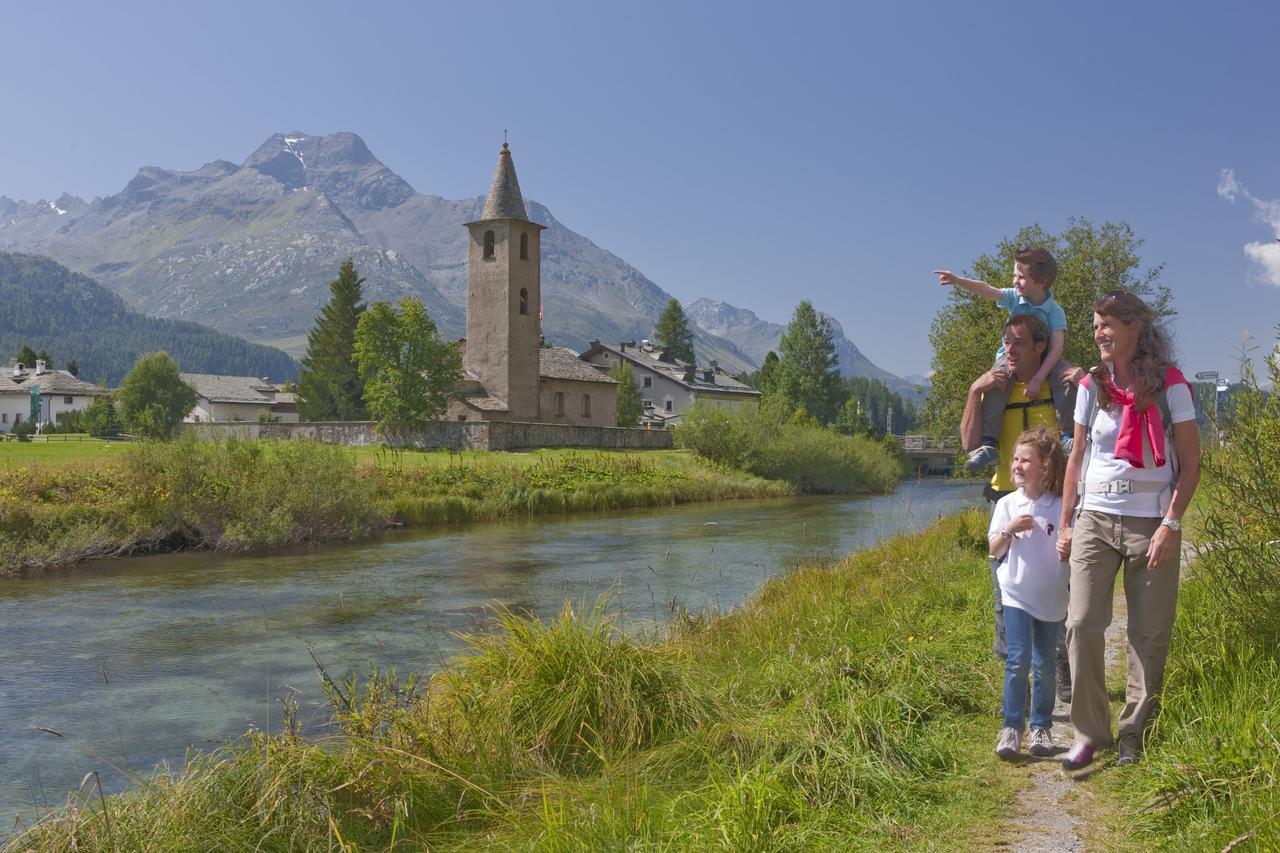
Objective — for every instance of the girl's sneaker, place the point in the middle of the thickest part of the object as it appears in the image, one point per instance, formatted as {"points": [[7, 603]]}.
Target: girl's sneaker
{"points": [[1009, 743], [1040, 742], [1080, 756]]}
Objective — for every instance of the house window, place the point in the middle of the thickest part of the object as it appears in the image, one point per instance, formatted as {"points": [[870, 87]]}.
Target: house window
{"points": [[488, 245], [524, 246], [4, 418], [586, 405], [668, 404], [68, 400], [646, 382], [559, 404], [648, 404], [524, 300]]}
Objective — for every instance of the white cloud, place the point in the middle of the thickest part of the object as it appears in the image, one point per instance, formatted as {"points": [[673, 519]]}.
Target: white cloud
{"points": [[1265, 255]]}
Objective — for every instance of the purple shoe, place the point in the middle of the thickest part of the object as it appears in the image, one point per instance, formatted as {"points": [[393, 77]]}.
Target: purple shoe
{"points": [[1081, 755]]}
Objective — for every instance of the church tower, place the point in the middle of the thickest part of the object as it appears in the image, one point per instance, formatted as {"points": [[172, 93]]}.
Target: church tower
{"points": [[504, 296]]}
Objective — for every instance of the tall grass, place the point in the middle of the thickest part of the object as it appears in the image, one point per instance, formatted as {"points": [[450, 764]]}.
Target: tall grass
{"points": [[1212, 769], [838, 709], [758, 440], [237, 495]]}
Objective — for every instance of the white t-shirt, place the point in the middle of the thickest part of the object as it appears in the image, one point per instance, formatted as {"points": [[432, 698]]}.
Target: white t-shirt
{"points": [[1031, 576], [1104, 466]]}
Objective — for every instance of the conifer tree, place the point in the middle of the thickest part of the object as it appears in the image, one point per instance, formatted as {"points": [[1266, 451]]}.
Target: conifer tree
{"points": [[329, 383], [806, 375], [630, 405], [673, 333]]}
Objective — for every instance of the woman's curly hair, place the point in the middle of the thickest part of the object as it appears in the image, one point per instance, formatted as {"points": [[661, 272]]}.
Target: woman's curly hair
{"points": [[1153, 355]]}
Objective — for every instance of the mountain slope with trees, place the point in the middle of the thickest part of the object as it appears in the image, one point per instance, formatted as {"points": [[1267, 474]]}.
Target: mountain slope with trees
{"points": [[49, 308]]}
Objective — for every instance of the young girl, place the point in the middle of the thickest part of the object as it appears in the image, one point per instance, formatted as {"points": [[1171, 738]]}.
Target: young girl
{"points": [[1033, 587]]}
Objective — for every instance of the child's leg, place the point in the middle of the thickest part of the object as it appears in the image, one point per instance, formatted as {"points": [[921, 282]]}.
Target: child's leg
{"points": [[1044, 654], [1017, 666], [993, 403], [1064, 400]]}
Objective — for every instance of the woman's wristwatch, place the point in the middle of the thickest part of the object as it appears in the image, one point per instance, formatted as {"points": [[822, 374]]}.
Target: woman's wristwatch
{"points": [[1171, 523]]}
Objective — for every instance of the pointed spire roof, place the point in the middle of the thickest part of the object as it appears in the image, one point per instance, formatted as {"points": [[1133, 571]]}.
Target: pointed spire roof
{"points": [[505, 201]]}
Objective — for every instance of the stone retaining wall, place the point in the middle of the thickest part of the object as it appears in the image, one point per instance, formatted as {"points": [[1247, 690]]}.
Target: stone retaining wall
{"points": [[447, 435]]}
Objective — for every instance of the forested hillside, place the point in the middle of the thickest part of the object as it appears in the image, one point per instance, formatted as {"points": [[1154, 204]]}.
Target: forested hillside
{"points": [[71, 317]]}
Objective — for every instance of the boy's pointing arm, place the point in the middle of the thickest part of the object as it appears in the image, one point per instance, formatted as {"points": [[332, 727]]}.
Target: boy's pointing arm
{"points": [[977, 288]]}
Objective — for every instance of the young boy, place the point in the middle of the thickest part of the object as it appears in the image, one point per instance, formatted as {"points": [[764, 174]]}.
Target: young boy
{"points": [[1034, 271]]}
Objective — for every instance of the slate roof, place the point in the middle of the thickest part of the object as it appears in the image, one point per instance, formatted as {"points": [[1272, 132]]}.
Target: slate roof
{"points": [[230, 389], [485, 403], [561, 363], [685, 375], [50, 382], [504, 201]]}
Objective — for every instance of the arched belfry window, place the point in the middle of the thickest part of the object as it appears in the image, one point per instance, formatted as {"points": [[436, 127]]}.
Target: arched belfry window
{"points": [[524, 246], [488, 245], [524, 300]]}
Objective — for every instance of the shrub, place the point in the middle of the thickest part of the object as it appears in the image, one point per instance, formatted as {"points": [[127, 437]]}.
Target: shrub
{"points": [[774, 444]]}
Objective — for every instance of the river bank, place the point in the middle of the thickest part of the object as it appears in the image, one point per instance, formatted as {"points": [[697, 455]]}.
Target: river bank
{"points": [[847, 701], [240, 496]]}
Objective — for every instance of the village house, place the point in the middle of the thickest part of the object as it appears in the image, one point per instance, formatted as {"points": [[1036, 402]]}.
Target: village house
{"points": [[507, 374], [669, 387], [239, 398], [57, 392]]}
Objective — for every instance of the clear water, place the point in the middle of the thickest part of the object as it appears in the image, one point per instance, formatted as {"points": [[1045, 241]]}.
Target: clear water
{"points": [[136, 661]]}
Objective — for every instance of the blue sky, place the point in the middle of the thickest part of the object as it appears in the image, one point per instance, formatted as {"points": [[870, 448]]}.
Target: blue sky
{"points": [[837, 152]]}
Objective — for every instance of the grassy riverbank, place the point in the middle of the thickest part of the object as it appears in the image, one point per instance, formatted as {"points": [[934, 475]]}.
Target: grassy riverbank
{"points": [[843, 707], [245, 495]]}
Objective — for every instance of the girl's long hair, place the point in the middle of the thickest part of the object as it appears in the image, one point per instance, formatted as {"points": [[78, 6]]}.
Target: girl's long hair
{"points": [[1154, 353], [1045, 442]]}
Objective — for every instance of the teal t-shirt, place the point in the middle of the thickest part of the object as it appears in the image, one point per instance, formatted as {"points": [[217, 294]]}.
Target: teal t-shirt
{"points": [[1049, 311]]}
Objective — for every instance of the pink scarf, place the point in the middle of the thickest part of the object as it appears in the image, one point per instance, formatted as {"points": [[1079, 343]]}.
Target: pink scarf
{"points": [[1134, 423]]}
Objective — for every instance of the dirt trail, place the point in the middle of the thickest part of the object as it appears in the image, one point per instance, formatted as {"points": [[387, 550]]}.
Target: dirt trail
{"points": [[1052, 807]]}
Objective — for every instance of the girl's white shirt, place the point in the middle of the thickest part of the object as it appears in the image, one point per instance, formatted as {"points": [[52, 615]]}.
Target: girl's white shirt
{"points": [[1103, 464], [1031, 576]]}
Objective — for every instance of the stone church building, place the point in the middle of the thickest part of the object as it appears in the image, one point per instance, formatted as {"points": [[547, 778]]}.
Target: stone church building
{"points": [[507, 375]]}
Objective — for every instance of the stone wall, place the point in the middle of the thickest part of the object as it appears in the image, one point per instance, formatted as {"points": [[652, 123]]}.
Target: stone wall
{"points": [[447, 435]]}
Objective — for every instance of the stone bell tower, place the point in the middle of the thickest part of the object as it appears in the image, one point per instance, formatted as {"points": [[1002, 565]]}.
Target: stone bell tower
{"points": [[504, 296]]}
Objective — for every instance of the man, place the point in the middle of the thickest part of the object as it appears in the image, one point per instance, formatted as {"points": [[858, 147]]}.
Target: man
{"points": [[1026, 339]]}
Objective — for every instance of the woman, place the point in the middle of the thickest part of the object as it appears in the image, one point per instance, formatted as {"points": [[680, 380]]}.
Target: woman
{"points": [[1132, 488]]}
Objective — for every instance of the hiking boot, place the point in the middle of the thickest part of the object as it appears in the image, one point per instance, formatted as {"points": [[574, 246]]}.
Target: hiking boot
{"points": [[1009, 743], [983, 457], [1130, 750], [1064, 681], [1068, 441], [1040, 742], [1081, 755]]}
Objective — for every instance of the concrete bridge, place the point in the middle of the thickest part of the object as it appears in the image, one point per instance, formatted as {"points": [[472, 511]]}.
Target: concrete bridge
{"points": [[928, 455]]}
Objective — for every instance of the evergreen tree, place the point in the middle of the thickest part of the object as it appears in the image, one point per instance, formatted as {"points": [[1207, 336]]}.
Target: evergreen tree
{"points": [[26, 357], [329, 383], [673, 333], [806, 375], [409, 373], [100, 417], [153, 399], [767, 372], [630, 404], [73, 368]]}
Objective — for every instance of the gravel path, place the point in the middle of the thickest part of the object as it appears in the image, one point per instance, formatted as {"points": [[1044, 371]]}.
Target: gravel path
{"points": [[1052, 805]]}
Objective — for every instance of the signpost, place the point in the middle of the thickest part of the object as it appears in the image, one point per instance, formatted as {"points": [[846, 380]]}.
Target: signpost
{"points": [[1207, 376], [35, 404]]}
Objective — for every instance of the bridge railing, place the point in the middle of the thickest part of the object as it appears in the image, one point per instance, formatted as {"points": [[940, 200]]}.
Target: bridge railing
{"points": [[927, 442]]}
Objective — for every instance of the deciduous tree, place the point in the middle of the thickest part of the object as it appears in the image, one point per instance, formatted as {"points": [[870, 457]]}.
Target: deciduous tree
{"points": [[409, 373], [153, 399], [1092, 260], [673, 333], [329, 383]]}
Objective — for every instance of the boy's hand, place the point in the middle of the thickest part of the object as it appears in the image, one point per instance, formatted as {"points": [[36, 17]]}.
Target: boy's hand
{"points": [[1033, 388], [946, 277]]}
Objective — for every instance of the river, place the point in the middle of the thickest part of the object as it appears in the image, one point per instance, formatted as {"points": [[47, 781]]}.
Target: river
{"points": [[133, 662]]}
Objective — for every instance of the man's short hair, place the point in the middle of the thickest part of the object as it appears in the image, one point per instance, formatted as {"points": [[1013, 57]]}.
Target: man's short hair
{"points": [[1039, 263], [1033, 324]]}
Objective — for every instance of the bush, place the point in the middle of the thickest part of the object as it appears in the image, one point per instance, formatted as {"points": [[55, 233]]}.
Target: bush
{"points": [[771, 443], [25, 429]]}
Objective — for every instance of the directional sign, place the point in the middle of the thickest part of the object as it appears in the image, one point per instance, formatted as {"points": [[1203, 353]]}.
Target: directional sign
{"points": [[1207, 376]]}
